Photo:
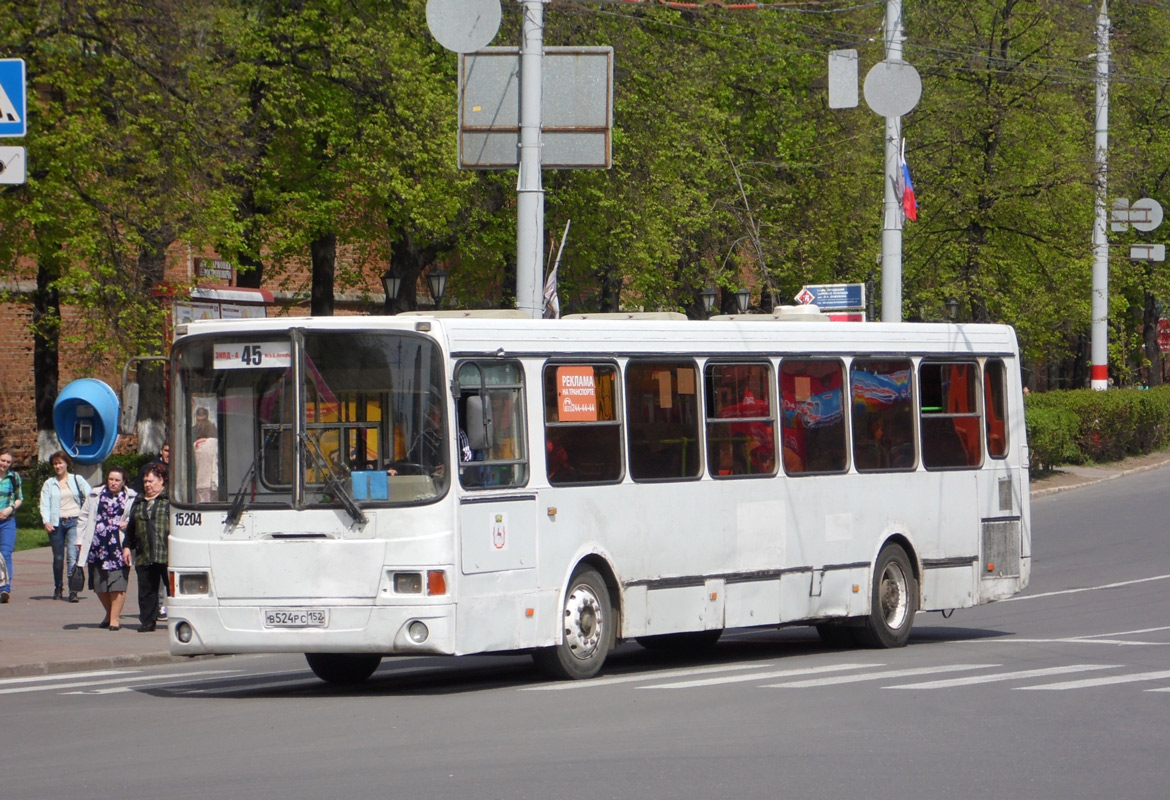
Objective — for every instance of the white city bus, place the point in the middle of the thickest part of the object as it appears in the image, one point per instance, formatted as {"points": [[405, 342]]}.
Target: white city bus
{"points": [[357, 487]]}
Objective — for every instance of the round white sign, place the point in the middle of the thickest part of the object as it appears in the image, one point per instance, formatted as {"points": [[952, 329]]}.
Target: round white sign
{"points": [[463, 25], [892, 88]]}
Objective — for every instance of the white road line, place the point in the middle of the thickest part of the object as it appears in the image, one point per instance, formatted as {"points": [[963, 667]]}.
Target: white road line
{"points": [[641, 676], [1088, 683], [1018, 599], [83, 684], [167, 681], [787, 673], [65, 676], [877, 676], [1002, 676], [1062, 640]]}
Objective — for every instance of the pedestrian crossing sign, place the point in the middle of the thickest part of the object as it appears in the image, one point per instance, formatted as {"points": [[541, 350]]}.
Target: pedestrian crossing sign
{"points": [[13, 105]]}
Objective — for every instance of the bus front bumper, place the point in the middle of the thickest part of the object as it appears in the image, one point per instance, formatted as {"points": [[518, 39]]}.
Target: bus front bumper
{"points": [[321, 628]]}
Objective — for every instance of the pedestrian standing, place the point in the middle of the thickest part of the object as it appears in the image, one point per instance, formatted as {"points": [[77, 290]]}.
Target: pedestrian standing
{"points": [[62, 497], [11, 498], [101, 543], [147, 537]]}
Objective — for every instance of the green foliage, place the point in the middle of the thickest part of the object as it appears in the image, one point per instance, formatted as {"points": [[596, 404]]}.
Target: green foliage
{"points": [[259, 127], [1052, 436], [1082, 425]]}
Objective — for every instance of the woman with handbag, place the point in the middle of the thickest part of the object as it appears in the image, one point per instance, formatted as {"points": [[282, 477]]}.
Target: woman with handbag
{"points": [[61, 499], [101, 543]]}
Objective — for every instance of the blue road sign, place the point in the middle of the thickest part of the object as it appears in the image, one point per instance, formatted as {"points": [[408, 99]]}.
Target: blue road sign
{"points": [[839, 296], [13, 99]]}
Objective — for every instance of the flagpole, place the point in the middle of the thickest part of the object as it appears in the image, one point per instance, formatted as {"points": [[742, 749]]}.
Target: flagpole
{"points": [[892, 204], [550, 284]]}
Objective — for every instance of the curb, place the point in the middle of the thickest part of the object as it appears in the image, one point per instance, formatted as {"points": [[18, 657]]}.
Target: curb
{"points": [[1092, 481]]}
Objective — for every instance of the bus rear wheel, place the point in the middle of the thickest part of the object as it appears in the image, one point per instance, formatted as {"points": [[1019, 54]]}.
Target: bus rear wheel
{"points": [[343, 669], [587, 630], [893, 603]]}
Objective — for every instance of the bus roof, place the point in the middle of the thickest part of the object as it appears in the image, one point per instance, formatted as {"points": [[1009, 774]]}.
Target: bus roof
{"points": [[467, 336]]}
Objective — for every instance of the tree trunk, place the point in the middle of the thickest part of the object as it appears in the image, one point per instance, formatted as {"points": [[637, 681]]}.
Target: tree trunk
{"points": [[324, 254], [46, 330], [1150, 338], [152, 390]]}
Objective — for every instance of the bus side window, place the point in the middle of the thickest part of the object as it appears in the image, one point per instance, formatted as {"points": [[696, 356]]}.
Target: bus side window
{"points": [[741, 427], [812, 402], [882, 414], [995, 407], [662, 414], [582, 432], [950, 424], [495, 392]]}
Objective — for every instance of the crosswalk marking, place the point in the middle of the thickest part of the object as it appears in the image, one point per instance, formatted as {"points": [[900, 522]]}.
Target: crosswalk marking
{"points": [[84, 684], [1001, 676], [641, 676], [758, 676], [62, 676], [876, 676], [1133, 677]]}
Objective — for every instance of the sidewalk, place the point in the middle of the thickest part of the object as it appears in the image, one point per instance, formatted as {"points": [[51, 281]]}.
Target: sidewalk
{"points": [[40, 636]]}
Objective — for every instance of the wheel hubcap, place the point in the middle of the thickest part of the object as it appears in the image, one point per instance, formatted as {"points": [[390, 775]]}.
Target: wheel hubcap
{"points": [[895, 596], [583, 622]]}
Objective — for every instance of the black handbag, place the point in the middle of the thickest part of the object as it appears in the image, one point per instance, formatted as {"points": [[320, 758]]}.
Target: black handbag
{"points": [[76, 579]]}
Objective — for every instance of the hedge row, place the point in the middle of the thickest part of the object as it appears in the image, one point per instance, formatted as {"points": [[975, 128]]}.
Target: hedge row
{"points": [[1081, 426]]}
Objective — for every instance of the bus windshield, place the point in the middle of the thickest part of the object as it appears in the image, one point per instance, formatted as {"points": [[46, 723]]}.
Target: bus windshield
{"points": [[307, 419]]}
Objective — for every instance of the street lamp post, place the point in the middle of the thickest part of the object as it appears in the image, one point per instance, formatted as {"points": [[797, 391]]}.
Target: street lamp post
{"points": [[437, 283], [708, 298], [743, 299], [391, 284]]}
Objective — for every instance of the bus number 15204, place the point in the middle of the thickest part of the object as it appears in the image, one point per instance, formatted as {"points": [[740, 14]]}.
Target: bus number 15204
{"points": [[188, 518]]}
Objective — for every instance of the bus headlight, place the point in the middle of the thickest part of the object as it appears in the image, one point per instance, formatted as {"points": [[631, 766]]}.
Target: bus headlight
{"points": [[408, 583], [184, 632], [194, 583]]}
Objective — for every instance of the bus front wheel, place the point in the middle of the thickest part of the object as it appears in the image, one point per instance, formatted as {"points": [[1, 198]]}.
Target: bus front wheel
{"points": [[343, 669], [587, 630], [893, 603]]}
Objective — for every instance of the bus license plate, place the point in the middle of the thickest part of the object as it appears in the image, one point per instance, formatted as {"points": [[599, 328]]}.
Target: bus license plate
{"points": [[295, 618]]}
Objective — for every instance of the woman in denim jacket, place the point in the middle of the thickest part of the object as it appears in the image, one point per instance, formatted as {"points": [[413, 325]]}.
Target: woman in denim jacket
{"points": [[62, 497]]}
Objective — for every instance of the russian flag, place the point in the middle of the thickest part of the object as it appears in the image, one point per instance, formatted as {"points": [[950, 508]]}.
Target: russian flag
{"points": [[909, 201]]}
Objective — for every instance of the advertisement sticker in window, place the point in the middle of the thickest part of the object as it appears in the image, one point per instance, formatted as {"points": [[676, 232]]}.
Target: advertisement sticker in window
{"points": [[576, 394]]}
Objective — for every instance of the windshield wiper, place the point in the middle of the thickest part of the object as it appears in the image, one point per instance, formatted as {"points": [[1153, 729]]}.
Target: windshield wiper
{"points": [[236, 510], [340, 492]]}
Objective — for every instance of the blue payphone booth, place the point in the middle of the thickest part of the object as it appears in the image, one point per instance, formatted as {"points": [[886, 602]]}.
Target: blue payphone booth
{"points": [[86, 418]]}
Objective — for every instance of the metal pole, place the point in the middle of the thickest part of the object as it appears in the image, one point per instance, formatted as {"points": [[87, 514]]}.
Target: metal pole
{"points": [[529, 190], [892, 204], [1099, 374]]}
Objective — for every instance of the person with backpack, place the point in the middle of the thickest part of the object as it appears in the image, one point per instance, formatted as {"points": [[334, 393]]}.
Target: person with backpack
{"points": [[11, 498], [62, 497]]}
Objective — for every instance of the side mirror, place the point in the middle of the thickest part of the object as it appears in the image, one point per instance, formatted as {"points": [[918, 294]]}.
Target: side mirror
{"points": [[128, 419], [479, 424]]}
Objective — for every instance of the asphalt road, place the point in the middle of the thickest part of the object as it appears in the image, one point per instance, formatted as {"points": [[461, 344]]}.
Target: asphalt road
{"points": [[1062, 692]]}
